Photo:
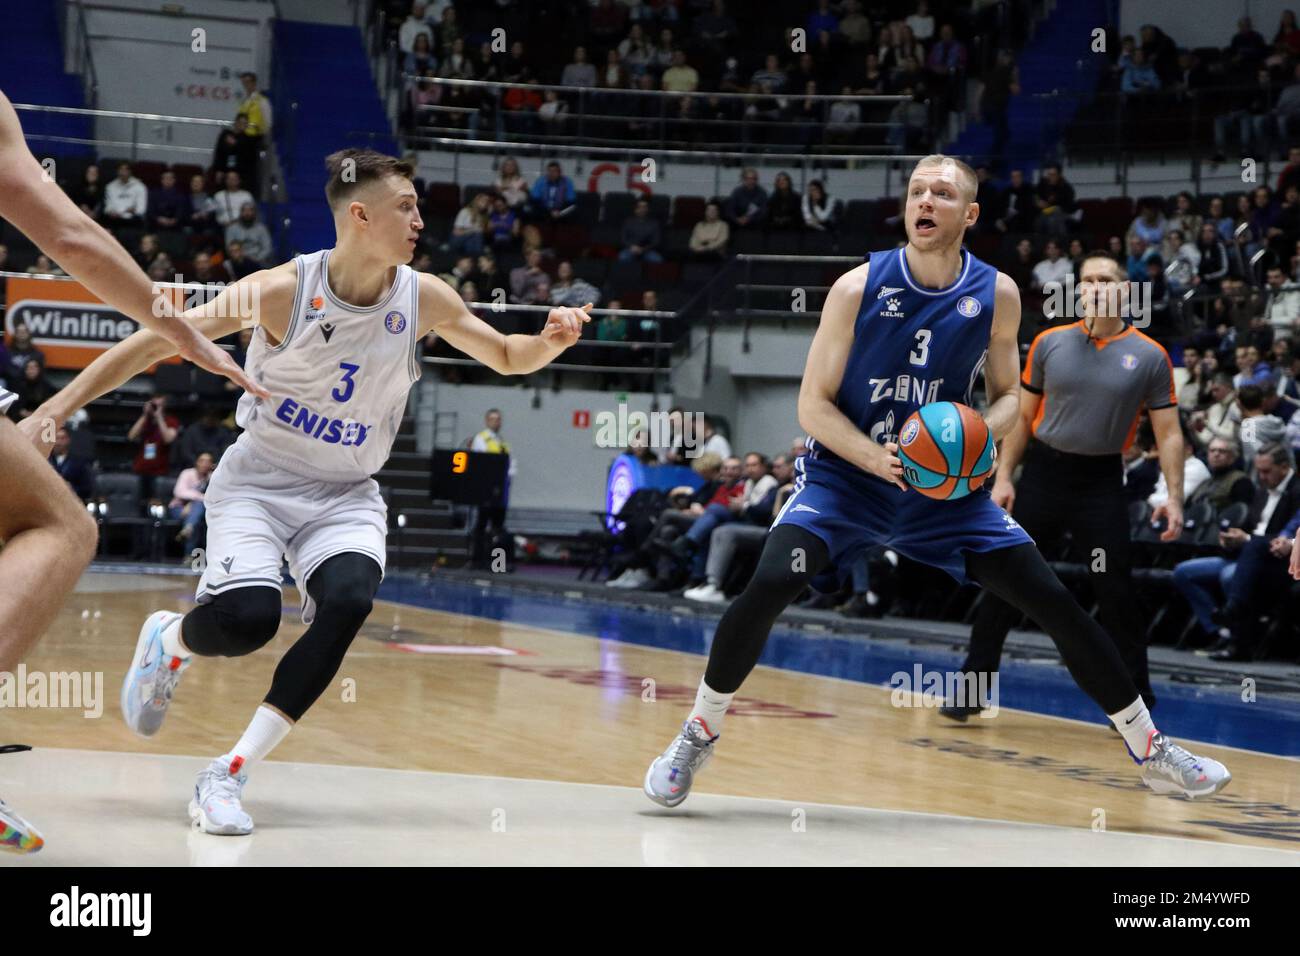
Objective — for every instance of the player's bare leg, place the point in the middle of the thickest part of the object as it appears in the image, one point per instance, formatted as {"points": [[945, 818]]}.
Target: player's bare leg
{"points": [[49, 538]]}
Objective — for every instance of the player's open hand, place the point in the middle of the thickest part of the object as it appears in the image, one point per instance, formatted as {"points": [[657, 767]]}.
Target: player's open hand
{"points": [[564, 325], [213, 358], [886, 464], [1294, 567], [1173, 514]]}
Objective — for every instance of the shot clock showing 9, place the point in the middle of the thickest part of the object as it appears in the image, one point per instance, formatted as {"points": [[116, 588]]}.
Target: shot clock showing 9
{"points": [[468, 477]]}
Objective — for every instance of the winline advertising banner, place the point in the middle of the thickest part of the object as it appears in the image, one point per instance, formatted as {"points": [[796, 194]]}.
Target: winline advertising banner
{"points": [[68, 323]]}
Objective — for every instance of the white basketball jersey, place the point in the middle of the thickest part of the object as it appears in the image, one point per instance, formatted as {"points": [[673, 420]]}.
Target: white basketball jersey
{"points": [[338, 381]]}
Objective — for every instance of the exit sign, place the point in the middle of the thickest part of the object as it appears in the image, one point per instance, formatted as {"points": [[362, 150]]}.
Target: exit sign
{"points": [[581, 418]]}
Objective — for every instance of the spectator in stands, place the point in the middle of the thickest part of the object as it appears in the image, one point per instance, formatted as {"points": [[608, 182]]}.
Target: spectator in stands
{"points": [[168, 207], [1195, 474], [33, 388], [713, 440], [252, 235], [1052, 270], [415, 25], [710, 235], [186, 503], [783, 206], [203, 272], [448, 33], [237, 265], [525, 280], [855, 27], [1019, 207], [45, 266], [692, 547], [1220, 420], [202, 218], [125, 200], [510, 184], [1282, 306], [153, 432], [486, 276], [817, 209], [1075, 253], [1185, 218], [256, 108], [1002, 83], [1183, 263], [553, 195], [235, 150], [1054, 197], [1021, 268], [681, 77], [1141, 465], [571, 290], [147, 251], [747, 206], [579, 73], [208, 434], [553, 113], [1218, 218], [75, 470], [1263, 554], [1139, 76], [470, 227], [636, 50], [1213, 263], [1227, 484], [1150, 226], [1194, 393], [504, 226], [908, 121], [21, 349], [1258, 428], [420, 60], [641, 235], [89, 193], [1202, 580], [921, 22], [228, 202], [1247, 49], [1290, 175], [843, 119], [1281, 124], [1243, 120]]}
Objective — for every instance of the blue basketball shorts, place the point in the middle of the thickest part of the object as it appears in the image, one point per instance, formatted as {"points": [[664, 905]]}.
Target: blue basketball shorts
{"points": [[851, 511]]}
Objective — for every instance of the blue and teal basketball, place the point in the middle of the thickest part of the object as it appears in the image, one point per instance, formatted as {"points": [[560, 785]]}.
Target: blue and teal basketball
{"points": [[946, 450]]}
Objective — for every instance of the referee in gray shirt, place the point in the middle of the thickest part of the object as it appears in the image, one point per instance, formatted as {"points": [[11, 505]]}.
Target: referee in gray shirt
{"points": [[1083, 388]]}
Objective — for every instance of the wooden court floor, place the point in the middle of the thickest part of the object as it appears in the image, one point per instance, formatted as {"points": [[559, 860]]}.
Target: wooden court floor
{"points": [[500, 713]]}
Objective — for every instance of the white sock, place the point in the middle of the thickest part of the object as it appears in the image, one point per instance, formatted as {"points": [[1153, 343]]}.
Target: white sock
{"points": [[1135, 723], [171, 640], [264, 733], [710, 707]]}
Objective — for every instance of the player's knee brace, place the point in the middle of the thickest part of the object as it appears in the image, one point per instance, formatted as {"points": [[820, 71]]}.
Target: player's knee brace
{"points": [[234, 623]]}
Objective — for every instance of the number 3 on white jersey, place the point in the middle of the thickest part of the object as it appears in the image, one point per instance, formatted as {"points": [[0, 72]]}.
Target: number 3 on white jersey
{"points": [[922, 351]]}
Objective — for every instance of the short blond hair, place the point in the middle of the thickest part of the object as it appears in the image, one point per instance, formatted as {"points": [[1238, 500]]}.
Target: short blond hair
{"points": [[970, 181], [709, 462]]}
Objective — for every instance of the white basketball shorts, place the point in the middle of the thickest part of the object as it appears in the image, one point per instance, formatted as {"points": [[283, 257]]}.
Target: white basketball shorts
{"points": [[258, 514]]}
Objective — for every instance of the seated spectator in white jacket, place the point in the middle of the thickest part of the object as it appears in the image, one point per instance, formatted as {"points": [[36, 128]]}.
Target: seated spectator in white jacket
{"points": [[125, 200], [229, 201]]}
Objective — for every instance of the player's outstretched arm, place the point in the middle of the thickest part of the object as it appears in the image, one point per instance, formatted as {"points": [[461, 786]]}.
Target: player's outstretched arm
{"points": [[829, 354], [33, 202], [442, 311], [227, 313]]}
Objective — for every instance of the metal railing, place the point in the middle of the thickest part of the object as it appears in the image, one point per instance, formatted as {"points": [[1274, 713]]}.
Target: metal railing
{"points": [[161, 126], [658, 345], [607, 117]]}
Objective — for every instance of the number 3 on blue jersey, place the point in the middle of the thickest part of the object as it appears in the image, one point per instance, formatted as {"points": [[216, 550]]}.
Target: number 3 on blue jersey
{"points": [[347, 385], [922, 352]]}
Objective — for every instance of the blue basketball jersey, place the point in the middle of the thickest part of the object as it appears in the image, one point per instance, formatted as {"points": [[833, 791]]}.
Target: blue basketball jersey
{"points": [[913, 345]]}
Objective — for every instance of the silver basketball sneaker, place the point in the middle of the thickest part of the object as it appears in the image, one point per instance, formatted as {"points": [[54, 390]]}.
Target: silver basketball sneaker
{"points": [[668, 781], [215, 807], [152, 677], [1170, 768]]}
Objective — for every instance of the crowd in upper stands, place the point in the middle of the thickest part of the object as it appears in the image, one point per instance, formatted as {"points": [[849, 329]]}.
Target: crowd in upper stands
{"points": [[838, 48]]}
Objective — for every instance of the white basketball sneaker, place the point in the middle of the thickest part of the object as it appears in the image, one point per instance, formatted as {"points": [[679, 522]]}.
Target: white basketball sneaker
{"points": [[215, 807], [669, 779], [152, 677], [1169, 768]]}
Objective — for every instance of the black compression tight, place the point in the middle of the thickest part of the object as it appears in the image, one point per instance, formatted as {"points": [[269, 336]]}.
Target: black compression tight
{"points": [[792, 557], [242, 620]]}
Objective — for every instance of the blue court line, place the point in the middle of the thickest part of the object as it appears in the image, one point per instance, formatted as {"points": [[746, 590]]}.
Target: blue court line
{"points": [[1210, 714]]}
